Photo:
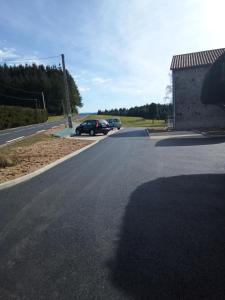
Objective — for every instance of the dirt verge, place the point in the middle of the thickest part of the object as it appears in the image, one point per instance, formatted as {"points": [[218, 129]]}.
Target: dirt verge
{"points": [[35, 152]]}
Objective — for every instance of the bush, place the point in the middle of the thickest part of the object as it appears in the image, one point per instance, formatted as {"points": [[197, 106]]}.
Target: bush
{"points": [[13, 116], [6, 161]]}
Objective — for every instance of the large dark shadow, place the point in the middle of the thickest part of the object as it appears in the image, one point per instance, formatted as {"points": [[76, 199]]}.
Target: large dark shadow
{"points": [[130, 133], [190, 141], [213, 88], [172, 240]]}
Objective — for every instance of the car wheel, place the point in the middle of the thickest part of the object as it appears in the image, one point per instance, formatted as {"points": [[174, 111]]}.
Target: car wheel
{"points": [[78, 132], [118, 128], [105, 133], [92, 132]]}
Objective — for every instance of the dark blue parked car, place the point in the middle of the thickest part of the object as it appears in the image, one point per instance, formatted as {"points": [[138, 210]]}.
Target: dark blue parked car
{"points": [[93, 126]]}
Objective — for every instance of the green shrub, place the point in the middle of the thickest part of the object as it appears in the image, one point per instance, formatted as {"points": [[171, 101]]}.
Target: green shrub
{"points": [[13, 116]]}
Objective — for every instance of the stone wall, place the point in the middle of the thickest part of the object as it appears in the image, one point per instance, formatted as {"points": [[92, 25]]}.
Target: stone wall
{"points": [[189, 112]]}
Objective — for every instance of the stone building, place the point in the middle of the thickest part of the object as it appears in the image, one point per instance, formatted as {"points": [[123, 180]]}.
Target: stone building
{"points": [[188, 73]]}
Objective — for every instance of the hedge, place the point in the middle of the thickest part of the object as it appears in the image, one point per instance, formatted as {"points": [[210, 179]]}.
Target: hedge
{"points": [[13, 116]]}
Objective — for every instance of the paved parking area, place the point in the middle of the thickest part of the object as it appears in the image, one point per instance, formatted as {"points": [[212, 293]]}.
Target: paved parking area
{"points": [[174, 134], [96, 137]]}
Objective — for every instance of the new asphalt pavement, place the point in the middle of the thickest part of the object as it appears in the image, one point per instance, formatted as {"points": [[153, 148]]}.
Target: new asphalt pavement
{"points": [[130, 218]]}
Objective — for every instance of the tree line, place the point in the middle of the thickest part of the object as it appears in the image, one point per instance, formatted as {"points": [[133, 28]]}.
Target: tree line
{"points": [[23, 86], [147, 111]]}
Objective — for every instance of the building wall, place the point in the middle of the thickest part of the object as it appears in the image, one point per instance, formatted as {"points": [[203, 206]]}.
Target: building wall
{"points": [[189, 112]]}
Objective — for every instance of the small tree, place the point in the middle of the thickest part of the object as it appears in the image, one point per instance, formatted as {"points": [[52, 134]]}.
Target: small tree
{"points": [[168, 91]]}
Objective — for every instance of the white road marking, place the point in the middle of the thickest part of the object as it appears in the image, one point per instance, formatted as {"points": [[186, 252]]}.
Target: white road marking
{"points": [[13, 130], [19, 138], [40, 131]]}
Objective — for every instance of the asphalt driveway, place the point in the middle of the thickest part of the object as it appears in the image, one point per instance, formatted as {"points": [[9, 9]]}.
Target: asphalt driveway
{"points": [[130, 218]]}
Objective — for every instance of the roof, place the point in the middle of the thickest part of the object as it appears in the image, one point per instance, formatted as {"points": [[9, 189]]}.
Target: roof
{"points": [[195, 59]]}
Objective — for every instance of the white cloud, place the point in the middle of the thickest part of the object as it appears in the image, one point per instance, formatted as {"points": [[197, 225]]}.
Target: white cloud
{"points": [[134, 41], [100, 80], [84, 89], [12, 57], [8, 53]]}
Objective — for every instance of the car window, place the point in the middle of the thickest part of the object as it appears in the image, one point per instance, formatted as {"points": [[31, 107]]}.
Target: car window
{"points": [[90, 122], [103, 122], [84, 123]]}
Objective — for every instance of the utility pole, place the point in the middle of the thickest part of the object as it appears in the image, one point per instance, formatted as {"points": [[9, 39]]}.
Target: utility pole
{"points": [[157, 110], [36, 104], [43, 100], [68, 107]]}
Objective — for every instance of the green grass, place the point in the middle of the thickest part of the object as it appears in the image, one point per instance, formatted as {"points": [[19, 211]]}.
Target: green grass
{"points": [[55, 118], [131, 121]]}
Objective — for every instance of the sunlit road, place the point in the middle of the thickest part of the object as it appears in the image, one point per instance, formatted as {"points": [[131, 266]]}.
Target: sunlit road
{"points": [[130, 218], [8, 135]]}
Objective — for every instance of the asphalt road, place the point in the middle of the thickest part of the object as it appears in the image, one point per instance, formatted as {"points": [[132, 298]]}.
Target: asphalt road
{"points": [[130, 218], [14, 133]]}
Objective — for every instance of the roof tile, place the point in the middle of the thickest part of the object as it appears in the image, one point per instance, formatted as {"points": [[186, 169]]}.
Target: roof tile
{"points": [[196, 59]]}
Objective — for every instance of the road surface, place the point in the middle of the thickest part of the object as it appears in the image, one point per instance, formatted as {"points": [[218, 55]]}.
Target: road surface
{"points": [[15, 133], [130, 218]]}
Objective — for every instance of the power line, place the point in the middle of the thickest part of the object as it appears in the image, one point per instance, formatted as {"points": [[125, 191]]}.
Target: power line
{"points": [[18, 89], [30, 59], [14, 97]]}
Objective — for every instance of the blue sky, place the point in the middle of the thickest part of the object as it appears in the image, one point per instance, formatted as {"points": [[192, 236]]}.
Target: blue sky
{"points": [[119, 51]]}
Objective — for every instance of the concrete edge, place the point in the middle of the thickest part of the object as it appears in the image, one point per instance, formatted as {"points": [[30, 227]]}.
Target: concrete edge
{"points": [[208, 135], [26, 177]]}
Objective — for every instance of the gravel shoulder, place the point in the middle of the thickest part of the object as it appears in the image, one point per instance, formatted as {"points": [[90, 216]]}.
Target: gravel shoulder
{"points": [[32, 153]]}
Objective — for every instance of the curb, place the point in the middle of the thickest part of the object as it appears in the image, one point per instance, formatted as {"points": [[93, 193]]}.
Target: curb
{"points": [[208, 135], [26, 177]]}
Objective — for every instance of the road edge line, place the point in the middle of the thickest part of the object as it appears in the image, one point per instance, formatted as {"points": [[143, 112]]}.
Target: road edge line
{"points": [[39, 131], [16, 139], [26, 177]]}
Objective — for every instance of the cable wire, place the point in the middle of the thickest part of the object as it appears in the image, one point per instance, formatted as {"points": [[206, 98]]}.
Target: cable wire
{"points": [[19, 98], [18, 89]]}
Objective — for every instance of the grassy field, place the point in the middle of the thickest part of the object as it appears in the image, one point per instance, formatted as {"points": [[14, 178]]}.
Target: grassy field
{"points": [[132, 121], [55, 118], [61, 117]]}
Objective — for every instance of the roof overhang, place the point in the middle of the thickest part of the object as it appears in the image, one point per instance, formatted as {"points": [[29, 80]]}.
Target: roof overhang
{"points": [[196, 59]]}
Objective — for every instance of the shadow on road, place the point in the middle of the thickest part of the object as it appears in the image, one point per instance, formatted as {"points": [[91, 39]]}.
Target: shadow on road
{"points": [[189, 141], [172, 241], [130, 133]]}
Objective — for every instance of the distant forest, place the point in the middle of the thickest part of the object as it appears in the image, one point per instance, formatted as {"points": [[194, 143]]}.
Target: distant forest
{"points": [[148, 111], [21, 85]]}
